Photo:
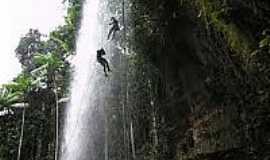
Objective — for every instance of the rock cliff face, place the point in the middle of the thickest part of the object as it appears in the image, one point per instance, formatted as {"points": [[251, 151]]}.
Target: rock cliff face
{"points": [[213, 58]]}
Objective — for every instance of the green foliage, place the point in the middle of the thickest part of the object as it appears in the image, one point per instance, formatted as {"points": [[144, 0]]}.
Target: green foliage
{"points": [[27, 47], [14, 92], [265, 42], [22, 83], [65, 36], [8, 98], [49, 61], [215, 13], [73, 15]]}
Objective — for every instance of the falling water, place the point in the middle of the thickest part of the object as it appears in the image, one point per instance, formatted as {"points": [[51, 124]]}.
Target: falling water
{"points": [[76, 137]]}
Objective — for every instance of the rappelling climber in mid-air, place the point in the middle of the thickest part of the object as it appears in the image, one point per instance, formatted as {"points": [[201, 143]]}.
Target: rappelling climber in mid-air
{"points": [[115, 27], [102, 60]]}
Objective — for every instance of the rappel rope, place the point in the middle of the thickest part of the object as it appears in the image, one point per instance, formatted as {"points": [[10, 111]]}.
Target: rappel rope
{"points": [[124, 24]]}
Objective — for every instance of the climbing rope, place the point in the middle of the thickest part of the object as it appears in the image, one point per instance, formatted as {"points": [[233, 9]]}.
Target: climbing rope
{"points": [[124, 24]]}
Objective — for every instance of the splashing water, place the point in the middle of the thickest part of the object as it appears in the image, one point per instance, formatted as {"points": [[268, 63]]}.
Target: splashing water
{"points": [[74, 145]]}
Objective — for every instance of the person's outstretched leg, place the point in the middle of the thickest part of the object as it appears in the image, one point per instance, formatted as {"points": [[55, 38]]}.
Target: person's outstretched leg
{"points": [[113, 34], [108, 67], [110, 32], [115, 29], [104, 68], [105, 64]]}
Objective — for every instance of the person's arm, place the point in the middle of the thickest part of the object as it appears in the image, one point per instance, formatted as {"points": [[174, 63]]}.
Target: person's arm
{"points": [[103, 52]]}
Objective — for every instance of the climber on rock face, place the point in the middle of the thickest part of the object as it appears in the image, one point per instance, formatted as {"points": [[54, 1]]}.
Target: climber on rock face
{"points": [[115, 27], [102, 60]]}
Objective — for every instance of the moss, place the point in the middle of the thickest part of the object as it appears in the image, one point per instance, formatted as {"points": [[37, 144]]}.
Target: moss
{"points": [[215, 13]]}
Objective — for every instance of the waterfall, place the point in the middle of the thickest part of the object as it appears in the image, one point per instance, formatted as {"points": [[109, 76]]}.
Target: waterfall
{"points": [[76, 142]]}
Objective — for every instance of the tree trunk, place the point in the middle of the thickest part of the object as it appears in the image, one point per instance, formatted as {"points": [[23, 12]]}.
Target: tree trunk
{"points": [[124, 23], [56, 120], [21, 135]]}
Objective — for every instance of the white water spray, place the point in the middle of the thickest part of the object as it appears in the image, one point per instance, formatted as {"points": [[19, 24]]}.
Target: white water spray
{"points": [[74, 145]]}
